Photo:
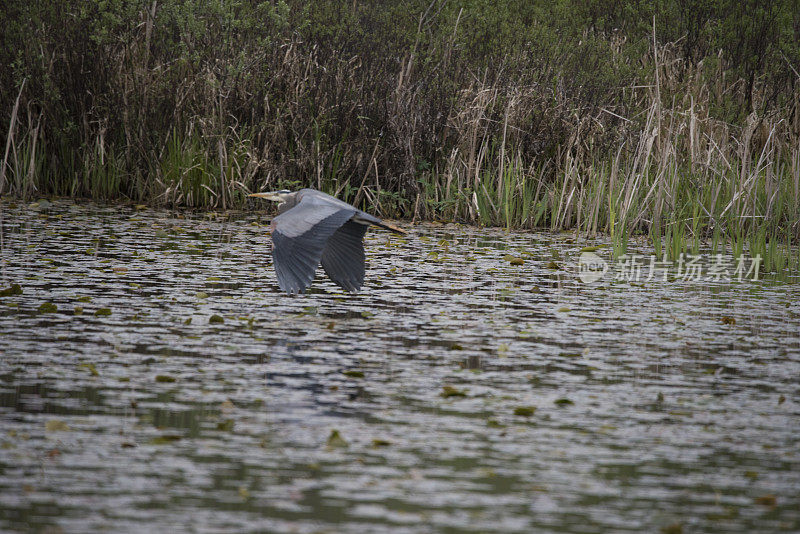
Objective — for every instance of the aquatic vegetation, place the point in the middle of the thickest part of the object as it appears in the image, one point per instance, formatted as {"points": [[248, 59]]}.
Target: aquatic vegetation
{"points": [[166, 439], [352, 373], [47, 307], [335, 440], [165, 379], [463, 395], [624, 118], [56, 425], [450, 391], [13, 290]]}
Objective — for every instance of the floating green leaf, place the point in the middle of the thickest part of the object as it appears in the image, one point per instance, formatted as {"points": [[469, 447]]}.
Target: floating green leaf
{"points": [[216, 319], [102, 312], [353, 373], [165, 379], [335, 440], [450, 391], [55, 425], [47, 307], [769, 500], [563, 402], [226, 425], [166, 439], [90, 367], [15, 289], [525, 411]]}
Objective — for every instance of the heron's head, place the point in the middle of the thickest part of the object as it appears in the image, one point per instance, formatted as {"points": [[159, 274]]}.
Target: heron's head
{"points": [[278, 196]]}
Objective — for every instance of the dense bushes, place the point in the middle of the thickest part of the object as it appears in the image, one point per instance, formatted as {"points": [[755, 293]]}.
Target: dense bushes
{"points": [[518, 112]]}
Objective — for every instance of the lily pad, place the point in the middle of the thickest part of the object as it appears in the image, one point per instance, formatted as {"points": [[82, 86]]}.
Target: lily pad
{"points": [[335, 440], [48, 307], [525, 411], [216, 319], [226, 425], [90, 367], [450, 391], [674, 528], [102, 312], [15, 289], [166, 439], [56, 425], [769, 500]]}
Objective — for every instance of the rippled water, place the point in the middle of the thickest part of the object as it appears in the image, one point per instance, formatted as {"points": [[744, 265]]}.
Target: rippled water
{"points": [[456, 392]]}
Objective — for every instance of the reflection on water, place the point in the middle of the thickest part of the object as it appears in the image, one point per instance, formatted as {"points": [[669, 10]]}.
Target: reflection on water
{"points": [[467, 393]]}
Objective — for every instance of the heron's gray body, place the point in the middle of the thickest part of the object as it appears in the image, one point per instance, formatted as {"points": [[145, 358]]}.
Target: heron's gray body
{"points": [[312, 228]]}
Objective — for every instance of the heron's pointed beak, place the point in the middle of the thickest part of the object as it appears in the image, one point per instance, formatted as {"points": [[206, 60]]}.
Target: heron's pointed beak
{"points": [[272, 195]]}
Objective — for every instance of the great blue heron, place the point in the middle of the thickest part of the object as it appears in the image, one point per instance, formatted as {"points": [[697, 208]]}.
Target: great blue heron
{"points": [[312, 228]]}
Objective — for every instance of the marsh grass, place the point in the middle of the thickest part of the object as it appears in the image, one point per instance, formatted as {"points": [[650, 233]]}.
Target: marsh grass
{"points": [[590, 131]]}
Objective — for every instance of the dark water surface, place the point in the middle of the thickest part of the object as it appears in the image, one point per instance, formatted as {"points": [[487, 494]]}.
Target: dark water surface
{"points": [[456, 393]]}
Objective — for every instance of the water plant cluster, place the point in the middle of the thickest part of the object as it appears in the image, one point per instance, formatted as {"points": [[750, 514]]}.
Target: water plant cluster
{"points": [[678, 119]]}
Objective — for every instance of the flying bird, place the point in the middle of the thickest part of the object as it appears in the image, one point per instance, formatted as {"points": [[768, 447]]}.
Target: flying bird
{"points": [[313, 227]]}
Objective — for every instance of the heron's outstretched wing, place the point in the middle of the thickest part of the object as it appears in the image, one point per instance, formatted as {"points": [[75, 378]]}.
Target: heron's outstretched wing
{"points": [[343, 257], [299, 237]]}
